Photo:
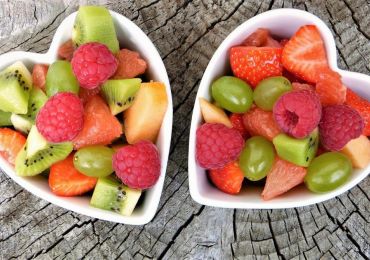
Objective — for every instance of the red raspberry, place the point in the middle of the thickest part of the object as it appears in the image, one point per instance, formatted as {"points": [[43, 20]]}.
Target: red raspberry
{"points": [[339, 124], [138, 165], [93, 64], [298, 113], [61, 118], [237, 123], [217, 145]]}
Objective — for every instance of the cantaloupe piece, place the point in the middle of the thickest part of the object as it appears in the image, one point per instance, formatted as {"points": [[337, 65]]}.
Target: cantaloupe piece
{"points": [[358, 151], [144, 118], [213, 114]]}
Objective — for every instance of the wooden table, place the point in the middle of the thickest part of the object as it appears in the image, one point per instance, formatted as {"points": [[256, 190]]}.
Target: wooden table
{"points": [[187, 33]]}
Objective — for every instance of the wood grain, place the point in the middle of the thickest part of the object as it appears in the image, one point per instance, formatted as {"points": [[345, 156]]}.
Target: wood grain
{"points": [[187, 33]]}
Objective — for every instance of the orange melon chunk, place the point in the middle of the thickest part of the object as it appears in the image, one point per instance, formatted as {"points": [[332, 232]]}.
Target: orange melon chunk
{"points": [[144, 118], [358, 151]]}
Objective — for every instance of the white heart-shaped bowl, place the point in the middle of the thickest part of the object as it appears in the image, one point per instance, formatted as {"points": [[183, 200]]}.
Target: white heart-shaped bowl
{"points": [[132, 37], [282, 23]]}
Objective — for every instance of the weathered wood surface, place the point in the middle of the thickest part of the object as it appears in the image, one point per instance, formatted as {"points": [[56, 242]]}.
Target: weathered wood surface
{"points": [[186, 34]]}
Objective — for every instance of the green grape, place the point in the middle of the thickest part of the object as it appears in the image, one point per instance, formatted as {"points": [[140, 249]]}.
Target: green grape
{"points": [[94, 161], [327, 172], [60, 78], [257, 158], [269, 90], [232, 94]]}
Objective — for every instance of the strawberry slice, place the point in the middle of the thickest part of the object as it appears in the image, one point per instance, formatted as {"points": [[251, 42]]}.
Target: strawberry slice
{"points": [[66, 50], [39, 75], [282, 177], [65, 180], [253, 64], [329, 87], [11, 142], [237, 123], [362, 106], [304, 54], [228, 179]]}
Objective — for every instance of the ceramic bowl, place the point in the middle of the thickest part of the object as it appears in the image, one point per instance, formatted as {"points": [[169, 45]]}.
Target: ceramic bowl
{"points": [[132, 37], [282, 23]]}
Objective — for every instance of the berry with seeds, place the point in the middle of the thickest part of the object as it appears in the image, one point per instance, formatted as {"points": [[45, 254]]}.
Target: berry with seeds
{"points": [[339, 125], [11, 142], [362, 106], [330, 89], [93, 64], [217, 145], [237, 123], [298, 113], [138, 165], [228, 179], [61, 118]]}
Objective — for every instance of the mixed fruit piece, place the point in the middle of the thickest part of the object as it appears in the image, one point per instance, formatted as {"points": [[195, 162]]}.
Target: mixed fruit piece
{"points": [[282, 117], [87, 121]]}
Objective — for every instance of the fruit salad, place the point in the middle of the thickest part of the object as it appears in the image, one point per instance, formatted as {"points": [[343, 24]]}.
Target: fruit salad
{"points": [[282, 118], [87, 122]]}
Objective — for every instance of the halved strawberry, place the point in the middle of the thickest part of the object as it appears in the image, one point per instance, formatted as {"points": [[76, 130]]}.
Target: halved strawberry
{"points": [[253, 64], [65, 180], [86, 94], [11, 142], [304, 54], [39, 75], [228, 179], [282, 177], [237, 123], [362, 106], [66, 50], [329, 87]]}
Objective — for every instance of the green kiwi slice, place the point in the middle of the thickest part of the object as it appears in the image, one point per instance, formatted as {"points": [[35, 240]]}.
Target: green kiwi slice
{"points": [[15, 87], [297, 151], [24, 123], [38, 155], [109, 194], [5, 118], [95, 24], [120, 93], [60, 78]]}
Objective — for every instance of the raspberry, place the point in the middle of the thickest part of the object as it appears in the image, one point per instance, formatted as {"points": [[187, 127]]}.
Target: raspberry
{"points": [[61, 118], [138, 165], [217, 145], [339, 124], [298, 113], [93, 64]]}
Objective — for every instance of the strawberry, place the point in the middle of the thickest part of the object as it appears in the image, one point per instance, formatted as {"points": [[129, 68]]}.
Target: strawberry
{"points": [[237, 123], [65, 180], [282, 177], [11, 142], [39, 75], [362, 106], [66, 50], [86, 94], [329, 87], [253, 64], [228, 179], [304, 54], [258, 38]]}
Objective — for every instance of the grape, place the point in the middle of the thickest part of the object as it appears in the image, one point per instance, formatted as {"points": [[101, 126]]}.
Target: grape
{"points": [[269, 90], [232, 94], [94, 161], [60, 78], [327, 172], [257, 158]]}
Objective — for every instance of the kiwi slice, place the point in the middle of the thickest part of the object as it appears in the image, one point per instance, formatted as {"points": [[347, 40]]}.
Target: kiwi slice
{"points": [[60, 78], [24, 123], [38, 155], [15, 87], [120, 93], [5, 118], [110, 194], [95, 24], [297, 151]]}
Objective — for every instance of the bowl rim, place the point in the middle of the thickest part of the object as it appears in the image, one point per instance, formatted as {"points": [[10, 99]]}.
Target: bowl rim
{"points": [[62, 202], [193, 168]]}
